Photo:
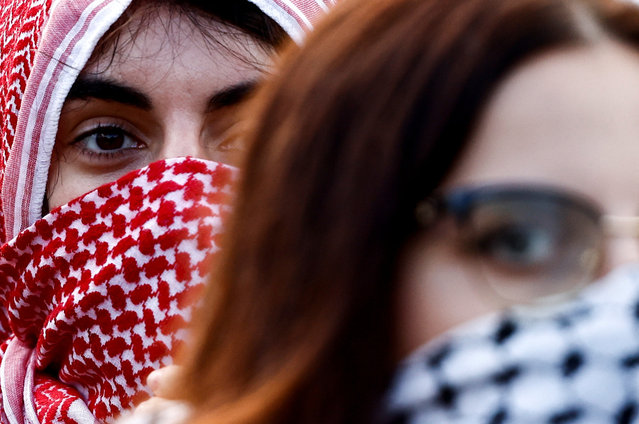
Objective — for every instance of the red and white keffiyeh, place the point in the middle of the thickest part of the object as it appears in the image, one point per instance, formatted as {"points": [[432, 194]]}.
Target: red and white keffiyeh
{"points": [[296, 17], [99, 291], [96, 294]]}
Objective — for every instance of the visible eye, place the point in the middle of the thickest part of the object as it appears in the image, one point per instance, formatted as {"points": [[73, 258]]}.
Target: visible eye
{"points": [[232, 142], [224, 134], [106, 140], [517, 244]]}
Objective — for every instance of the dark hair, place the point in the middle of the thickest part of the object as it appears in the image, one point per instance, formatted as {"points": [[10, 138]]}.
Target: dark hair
{"points": [[244, 16], [240, 15], [358, 126]]}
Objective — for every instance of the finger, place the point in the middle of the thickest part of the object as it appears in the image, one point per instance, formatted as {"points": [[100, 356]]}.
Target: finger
{"points": [[162, 381], [152, 405]]}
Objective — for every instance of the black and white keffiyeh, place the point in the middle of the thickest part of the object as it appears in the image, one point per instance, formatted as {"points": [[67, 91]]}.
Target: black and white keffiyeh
{"points": [[576, 364]]}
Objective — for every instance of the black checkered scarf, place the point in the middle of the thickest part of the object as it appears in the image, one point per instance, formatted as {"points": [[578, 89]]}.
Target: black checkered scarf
{"points": [[578, 363]]}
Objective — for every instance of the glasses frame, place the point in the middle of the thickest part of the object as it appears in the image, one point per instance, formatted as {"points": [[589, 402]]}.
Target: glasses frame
{"points": [[460, 202]]}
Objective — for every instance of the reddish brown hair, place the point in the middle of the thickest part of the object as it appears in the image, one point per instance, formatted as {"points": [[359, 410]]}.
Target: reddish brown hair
{"points": [[359, 125]]}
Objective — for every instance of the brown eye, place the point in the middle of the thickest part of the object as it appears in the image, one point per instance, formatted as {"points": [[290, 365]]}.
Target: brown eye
{"points": [[231, 143], [107, 140], [110, 140]]}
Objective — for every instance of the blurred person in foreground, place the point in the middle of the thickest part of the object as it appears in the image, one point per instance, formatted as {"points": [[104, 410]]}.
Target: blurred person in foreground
{"points": [[436, 223]]}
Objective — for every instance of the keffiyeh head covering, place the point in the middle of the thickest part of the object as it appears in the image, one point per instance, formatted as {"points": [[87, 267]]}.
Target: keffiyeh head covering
{"points": [[96, 294]]}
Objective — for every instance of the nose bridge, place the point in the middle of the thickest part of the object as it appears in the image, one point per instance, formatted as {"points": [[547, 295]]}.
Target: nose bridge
{"points": [[181, 138], [622, 241]]}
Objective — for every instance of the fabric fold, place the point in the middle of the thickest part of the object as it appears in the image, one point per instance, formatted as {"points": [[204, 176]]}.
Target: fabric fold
{"points": [[101, 289], [14, 380]]}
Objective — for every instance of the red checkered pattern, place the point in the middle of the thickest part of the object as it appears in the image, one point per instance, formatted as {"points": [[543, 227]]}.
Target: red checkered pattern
{"points": [[100, 290], [20, 24]]}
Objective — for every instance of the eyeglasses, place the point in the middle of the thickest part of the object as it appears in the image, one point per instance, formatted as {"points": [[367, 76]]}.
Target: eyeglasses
{"points": [[530, 242]]}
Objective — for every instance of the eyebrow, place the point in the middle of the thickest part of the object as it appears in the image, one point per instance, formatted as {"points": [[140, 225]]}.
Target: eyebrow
{"points": [[108, 90], [231, 96]]}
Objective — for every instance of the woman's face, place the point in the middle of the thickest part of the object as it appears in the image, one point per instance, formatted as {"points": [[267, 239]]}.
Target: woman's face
{"points": [[568, 119], [168, 91]]}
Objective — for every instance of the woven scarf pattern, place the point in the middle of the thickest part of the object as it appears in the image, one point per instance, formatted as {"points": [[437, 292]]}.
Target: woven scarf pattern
{"points": [[296, 17], [577, 364], [99, 292], [20, 25], [21, 22]]}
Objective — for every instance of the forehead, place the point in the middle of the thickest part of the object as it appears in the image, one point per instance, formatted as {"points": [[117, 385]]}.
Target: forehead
{"points": [[569, 117], [163, 37]]}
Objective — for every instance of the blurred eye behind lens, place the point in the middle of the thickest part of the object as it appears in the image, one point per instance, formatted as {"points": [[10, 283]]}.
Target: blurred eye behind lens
{"points": [[532, 247], [521, 245], [517, 236]]}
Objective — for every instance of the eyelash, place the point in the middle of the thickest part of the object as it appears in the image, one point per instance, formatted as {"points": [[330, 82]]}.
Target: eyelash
{"points": [[100, 127]]}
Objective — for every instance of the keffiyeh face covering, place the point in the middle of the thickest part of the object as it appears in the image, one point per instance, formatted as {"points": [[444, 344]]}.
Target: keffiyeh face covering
{"points": [[98, 292], [576, 364]]}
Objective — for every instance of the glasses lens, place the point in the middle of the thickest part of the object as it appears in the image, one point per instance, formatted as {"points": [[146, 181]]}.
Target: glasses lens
{"points": [[532, 245]]}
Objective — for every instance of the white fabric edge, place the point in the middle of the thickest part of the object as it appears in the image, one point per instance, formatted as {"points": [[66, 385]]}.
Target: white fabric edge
{"points": [[283, 19], [33, 115], [6, 406], [79, 412], [30, 415], [81, 53], [322, 5], [5, 384]]}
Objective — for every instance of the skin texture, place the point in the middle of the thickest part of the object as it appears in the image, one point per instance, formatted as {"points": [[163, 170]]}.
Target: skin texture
{"points": [[170, 91], [566, 119]]}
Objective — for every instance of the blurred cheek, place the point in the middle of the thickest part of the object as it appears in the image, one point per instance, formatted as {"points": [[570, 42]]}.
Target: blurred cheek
{"points": [[438, 290]]}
